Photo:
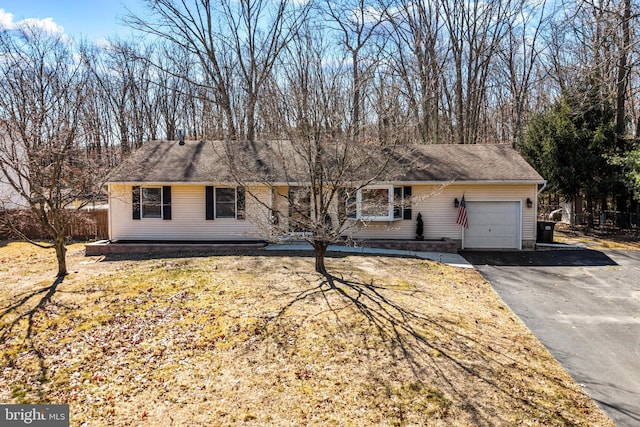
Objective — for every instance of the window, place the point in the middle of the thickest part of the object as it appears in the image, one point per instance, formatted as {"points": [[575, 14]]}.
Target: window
{"points": [[402, 203], [383, 203], [151, 202], [374, 203], [347, 207], [224, 202], [299, 209]]}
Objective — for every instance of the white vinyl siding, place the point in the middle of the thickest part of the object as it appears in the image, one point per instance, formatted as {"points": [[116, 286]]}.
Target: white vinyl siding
{"points": [[434, 203], [188, 218]]}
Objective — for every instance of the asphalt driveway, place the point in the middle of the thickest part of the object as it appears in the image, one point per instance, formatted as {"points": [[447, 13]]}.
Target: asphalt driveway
{"points": [[584, 306]]}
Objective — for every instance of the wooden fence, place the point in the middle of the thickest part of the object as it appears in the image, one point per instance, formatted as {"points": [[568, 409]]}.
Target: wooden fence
{"points": [[89, 224]]}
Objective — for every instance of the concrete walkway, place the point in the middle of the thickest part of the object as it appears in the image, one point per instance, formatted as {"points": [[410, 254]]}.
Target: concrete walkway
{"points": [[454, 260]]}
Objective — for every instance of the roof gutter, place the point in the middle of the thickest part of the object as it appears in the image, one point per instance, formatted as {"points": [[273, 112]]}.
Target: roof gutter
{"points": [[544, 185], [382, 182]]}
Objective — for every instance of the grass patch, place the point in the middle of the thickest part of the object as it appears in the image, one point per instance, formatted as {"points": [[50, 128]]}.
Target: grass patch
{"points": [[598, 238], [260, 340]]}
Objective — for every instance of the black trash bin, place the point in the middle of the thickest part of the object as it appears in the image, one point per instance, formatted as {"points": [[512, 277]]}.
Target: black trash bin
{"points": [[545, 231]]}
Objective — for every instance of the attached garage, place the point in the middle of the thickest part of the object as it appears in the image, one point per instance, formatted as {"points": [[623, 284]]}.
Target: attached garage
{"points": [[500, 190], [493, 225]]}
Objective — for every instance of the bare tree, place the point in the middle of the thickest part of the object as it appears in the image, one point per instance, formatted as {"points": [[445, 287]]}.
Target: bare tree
{"points": [[122, 72], [96, 124], [357, 24], [170, 88], [520, 53], [418, 58], [194, 26], [316, 173], [475, 30], [41, 98], [598, 43], [622, 80], [232, 40]]}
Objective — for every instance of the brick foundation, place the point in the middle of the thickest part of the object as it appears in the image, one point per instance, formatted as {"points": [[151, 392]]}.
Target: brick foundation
{"points": [[448, 246], [105, 247]]}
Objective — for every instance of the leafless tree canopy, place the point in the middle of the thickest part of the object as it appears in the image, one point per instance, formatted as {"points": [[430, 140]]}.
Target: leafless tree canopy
{"points": [[388, 72], [43, 155], [443, 72]]}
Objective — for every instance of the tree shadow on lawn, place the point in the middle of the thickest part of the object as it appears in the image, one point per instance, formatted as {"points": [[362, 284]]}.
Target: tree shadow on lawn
{"points": [[434, 349], [22, 302]]}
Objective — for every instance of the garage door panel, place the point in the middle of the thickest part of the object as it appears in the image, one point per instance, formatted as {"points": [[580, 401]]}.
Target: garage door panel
{"points": [[493, 225]]}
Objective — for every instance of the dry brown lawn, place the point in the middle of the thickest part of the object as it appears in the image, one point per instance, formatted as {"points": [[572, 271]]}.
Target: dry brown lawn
{"points": [[262, 340], [597, 239]]}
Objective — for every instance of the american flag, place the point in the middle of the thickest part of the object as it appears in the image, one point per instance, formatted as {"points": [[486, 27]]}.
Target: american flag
{"points": [[462, 214]]}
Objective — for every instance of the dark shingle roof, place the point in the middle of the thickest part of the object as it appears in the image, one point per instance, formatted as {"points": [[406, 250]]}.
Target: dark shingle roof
{"points": [[167, 161], [479, 162], [206, 162]]}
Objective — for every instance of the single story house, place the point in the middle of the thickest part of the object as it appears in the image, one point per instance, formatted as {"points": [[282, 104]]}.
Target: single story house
{"points": [[171, 191]]}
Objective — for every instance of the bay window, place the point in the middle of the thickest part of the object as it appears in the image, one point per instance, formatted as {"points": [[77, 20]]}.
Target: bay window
{"points": [[375, 204], [382, 203]]}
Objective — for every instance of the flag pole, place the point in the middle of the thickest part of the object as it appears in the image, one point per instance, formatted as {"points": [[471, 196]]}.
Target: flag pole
{"points": [[461, 219]]}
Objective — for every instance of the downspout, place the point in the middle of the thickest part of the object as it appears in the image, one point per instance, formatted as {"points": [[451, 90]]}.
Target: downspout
{"points": [[544, 185], [535, 212], [109, 209]]}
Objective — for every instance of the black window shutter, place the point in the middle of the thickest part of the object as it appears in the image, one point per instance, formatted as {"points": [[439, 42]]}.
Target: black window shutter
{"points": [[240, 195], [352, 205], [342, 204], [397, 202], [166, 202], [290, 198], [406, 203], [209, 201], [135, 200]]}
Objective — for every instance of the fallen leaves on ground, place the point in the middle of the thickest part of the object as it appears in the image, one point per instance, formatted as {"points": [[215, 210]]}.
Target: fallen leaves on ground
{"points": [[262, 340]]}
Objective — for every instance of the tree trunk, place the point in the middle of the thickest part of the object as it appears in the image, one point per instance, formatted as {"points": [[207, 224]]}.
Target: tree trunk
{"points": [[61, 254], [459, 102], [578, 211], [251, 119], [231, 127], [320, 249], [124, 138], [623, 75], [571, 204], [590, 211], [356, 96]]}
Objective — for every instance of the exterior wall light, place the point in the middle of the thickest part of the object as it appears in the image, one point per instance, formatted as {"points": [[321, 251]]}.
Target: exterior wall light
{"points": [[529, 203], [456, 202]]}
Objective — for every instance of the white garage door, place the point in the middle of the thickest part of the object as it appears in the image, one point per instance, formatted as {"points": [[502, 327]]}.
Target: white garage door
{"points": [[493, 225]]}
